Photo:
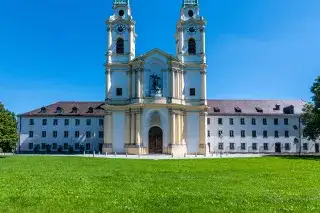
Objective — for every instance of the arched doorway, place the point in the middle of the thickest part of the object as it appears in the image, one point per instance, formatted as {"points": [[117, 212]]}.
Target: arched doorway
{"points": [[155, 140]]}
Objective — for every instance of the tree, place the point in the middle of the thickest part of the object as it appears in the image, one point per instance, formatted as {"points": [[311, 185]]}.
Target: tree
{"points": [[8, 130], [311, 114]]}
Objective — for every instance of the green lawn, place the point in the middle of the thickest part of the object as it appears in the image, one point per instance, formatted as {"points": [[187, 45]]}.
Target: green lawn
{"points": [[74, 184]]}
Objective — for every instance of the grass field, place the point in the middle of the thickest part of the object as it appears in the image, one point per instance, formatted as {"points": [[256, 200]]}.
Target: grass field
{"points": [[71, 184]]}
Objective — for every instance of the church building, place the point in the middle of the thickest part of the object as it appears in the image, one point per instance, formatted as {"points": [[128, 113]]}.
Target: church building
{"points": [[156, 103]]}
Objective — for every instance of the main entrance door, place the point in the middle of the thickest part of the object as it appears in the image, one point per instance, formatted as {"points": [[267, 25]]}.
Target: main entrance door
{"points": [[278, 147], [155, 140], [317, 146]]}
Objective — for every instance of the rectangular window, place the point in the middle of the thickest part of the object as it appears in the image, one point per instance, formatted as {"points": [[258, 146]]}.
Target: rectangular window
{"points": [[276, 121], [192, 92], [66, 122], [265, 134], [286, 134], [43, 146], [254, 121], [100, 134], [305, 146], [220, 133], [65, 146], [265, 146], [231, 146], [54, 146], [265, 121], [76, 134], [243, 133], [220, 121], [88, 146], [101, 122], [31, 122], [209, 133], [254, 146], [55, 134], [30, 145], [88, 122], [231, 134], [76, 146], [231, 121], [66, 134], [286, 121], [44, 122], [220, 146], [44, 134], [243, 146], [276, 134], [208, 121], [77, 122], [55, 122], [242, 121], [31, 134], [88, 134], [287, 146], [254, 134], [119, 91]]}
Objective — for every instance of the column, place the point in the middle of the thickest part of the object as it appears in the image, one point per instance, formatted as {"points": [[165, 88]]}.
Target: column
{"points": [[202, 41], [173, 127], [106, 128], [203, 76], [127, 130], [109, 51], [129, 74], [133, 129], [181, 39], [182, 85], [178, 85], [130, 29], [138, 128], [173, 84], [178, 141], [108, 83], [133, 84], [139, 84]]}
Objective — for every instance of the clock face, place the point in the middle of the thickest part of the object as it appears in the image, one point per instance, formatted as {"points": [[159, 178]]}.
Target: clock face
{"points": [[120, 28], [192, 30]]}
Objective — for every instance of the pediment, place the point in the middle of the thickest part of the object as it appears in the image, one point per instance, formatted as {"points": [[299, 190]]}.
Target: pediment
{"points": [[153, 52]]}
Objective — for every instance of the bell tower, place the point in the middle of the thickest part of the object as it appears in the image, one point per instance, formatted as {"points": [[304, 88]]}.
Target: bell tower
{"points": [[121, 33], [190, 36]]}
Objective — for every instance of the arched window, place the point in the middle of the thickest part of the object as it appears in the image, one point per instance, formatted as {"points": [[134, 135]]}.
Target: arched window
{"points": [[191, 46], [120, 46]]}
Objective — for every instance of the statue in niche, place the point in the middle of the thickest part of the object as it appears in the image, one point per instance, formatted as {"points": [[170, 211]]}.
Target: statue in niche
{"points": [[156, 90]]}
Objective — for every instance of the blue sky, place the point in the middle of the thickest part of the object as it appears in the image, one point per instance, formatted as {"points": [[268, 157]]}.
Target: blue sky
{"points": [[54, 50]]}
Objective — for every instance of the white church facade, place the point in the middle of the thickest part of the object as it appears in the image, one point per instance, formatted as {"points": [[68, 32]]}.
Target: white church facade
{"points": [[156, 103]]}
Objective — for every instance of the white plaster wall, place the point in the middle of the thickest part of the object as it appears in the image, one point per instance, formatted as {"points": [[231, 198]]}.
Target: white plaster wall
{"points": [[192, 132], [118, 133], [119, 79], [164, 117], [37, 128], [192, 80], [214, 139]]}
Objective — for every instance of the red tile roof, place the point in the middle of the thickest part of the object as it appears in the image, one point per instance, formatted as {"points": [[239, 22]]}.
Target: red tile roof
{"points": [[216, 107]]}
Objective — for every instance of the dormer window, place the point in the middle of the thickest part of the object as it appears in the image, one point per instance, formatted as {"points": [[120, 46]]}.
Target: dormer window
{"points": [[74, 110], [43, 110], [90, 110], [288, 110], [59, 110], [259, 110], [277, 107], [237, 109], [216, 109]]}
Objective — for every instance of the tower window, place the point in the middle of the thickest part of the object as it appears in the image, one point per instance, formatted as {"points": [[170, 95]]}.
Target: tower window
{"points": [[120, 46], [119, 91], [192, 46], [190, 13], [192, 92], [121, 13]]}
